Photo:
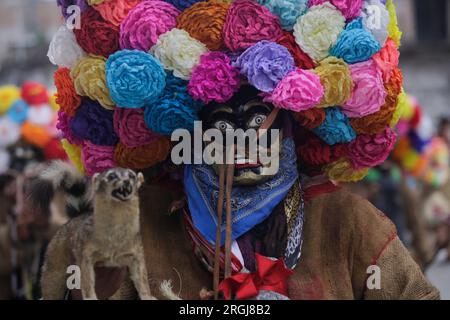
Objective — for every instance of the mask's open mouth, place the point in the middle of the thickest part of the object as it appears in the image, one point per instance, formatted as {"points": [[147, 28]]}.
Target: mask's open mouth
{"points": [[123, 193], [244, 166]]}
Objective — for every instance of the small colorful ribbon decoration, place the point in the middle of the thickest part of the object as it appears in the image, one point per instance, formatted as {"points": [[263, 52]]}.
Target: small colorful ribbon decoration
{"points": [[271, 275]]}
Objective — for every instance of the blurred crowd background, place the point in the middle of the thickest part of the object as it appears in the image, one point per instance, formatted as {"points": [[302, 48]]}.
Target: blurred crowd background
{"points": [[27, 26]]}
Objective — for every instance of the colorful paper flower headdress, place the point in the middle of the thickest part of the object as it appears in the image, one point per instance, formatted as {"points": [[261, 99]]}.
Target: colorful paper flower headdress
{"points": [[137, 70]]}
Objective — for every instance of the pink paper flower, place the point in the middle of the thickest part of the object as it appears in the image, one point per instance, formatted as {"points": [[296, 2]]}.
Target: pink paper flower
{"points": [[247, 23], [371, 150], [368, 94], [96, 158], [129, 124], [214, 79], [350, 8], [145, 23], [299, 90]]}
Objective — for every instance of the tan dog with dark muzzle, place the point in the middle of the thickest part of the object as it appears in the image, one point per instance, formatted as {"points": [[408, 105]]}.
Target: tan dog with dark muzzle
{"points": [[109, 236]]}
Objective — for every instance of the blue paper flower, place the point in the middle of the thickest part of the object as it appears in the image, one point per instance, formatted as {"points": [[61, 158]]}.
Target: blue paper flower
{"points": [[336, 128], [18, 112], [265, 64], [175, 109], [287, 10], [355, 44], [183, 4], [135, 79]]}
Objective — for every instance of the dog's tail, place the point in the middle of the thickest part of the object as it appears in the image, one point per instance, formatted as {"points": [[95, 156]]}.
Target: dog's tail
{"points": [[61, 177]]}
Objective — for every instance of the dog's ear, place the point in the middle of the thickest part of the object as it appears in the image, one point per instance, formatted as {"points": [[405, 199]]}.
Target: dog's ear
{"points": [[140, 179], [96, 181]]}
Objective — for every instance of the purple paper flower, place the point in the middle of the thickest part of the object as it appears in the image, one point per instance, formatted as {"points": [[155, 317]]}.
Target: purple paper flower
{"points": [[265, 64], [64, 4], [62, 125], [94, 123]]}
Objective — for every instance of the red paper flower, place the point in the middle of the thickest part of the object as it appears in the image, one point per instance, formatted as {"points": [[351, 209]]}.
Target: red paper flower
{"points": [[97, 36], [302, 60], [34, 93], [316, 152], [54, 150]]}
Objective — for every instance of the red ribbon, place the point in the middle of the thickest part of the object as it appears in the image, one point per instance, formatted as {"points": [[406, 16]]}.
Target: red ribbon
{"points": [[271, 275]]}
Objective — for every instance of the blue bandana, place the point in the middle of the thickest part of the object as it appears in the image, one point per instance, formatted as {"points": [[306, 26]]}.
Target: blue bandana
{"points": [[250, 205]]}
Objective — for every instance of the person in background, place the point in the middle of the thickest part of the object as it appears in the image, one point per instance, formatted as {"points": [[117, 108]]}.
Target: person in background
{"points": [[28, 138], [444, 130]]}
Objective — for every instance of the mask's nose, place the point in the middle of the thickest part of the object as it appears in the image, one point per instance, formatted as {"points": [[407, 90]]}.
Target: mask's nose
{"points": [[127, 183]]}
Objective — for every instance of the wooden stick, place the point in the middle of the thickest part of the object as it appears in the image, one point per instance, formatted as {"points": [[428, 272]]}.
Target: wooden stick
{"points": [[216, 273], [229, 223]]}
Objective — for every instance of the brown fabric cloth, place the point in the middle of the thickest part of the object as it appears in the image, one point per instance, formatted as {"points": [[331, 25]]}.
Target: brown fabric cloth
{"points": [[343, 235]]}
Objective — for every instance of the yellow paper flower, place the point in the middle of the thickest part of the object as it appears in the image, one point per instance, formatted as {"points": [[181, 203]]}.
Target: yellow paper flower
{"points": [[94, 2], [178, 52], [337, 81], [318, 29], [403, 106], [53, 103], [8, 95], [342, 171], [409, 108], [74, 154], [89, 79], [393, 29], [414, 162]]}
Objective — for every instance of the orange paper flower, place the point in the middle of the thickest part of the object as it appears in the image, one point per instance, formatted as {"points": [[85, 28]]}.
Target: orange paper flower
{"points": [[311, 118], [35, 135], [66, 98], [204, 21], [142, 157], [115, 11], [377, 122], [395, 83]]}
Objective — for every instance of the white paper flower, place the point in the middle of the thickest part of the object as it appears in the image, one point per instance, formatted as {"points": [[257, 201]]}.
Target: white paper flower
{"points": [[376, 19], [9, 132], [178, 52], [64, 50], [41, 115], [318, 30], [5, 160]]}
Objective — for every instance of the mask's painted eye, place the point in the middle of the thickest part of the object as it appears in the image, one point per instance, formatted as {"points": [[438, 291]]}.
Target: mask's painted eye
{"points": [[223, 125], [257, 120], [112, 176]]}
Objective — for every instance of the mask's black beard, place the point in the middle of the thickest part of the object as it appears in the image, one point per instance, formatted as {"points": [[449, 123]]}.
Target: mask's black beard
{"points": [[123, 193]]}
